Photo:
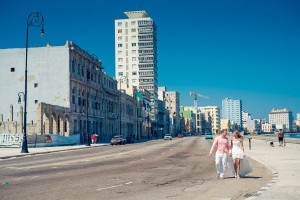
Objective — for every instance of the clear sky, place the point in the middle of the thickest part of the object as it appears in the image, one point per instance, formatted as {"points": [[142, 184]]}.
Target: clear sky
{"points": [[243, 49]]}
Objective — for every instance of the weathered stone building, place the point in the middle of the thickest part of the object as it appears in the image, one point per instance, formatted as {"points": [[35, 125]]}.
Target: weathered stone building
{"points": [[68, 92]]}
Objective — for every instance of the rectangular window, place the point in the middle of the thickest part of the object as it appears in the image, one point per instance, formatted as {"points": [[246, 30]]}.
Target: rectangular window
{"points": [[133, 44], [73, 99], [119, 23], [120, 73], [120, 45], [73, 66], [119, 30]]}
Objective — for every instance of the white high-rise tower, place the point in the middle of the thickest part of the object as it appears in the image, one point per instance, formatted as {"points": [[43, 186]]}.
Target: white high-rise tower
{"points": [[136, 51]]}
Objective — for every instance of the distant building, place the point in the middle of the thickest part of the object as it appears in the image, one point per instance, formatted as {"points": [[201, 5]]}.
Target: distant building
{"points": [[225, 124], [208, 118], [211, 115], [283, 119], [172, 103], [189, 120], [245, 117], [268, 128], [232, 110]]}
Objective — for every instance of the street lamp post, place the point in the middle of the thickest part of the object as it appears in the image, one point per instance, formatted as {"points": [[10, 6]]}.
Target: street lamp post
{"points": [[122, 79], [35, 19], [87, 119]]}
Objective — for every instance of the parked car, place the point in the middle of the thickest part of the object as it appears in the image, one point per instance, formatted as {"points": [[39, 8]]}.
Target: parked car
{"points": [[180, 135], [168, 137], [117, 139], [209, 135]]}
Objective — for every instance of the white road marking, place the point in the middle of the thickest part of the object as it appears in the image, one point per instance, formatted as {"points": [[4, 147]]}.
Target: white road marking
{"points": [[17, 179], [137, 161], [114, 186]]}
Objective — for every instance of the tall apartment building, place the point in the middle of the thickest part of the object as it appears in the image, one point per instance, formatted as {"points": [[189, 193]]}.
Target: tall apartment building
{"points": [[232, 110], [136, 51], [283, 119]]}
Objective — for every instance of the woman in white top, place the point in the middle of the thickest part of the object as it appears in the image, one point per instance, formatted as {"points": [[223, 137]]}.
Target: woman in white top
{"points": [[237, 152]]}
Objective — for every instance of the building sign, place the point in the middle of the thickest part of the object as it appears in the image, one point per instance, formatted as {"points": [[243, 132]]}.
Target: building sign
{"points": [[10, 139]]}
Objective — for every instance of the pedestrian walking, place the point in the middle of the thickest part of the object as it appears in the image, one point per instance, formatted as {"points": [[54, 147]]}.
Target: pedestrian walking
{"points": [[94, 138], [280, 137], [237, 152], [221, 142]]}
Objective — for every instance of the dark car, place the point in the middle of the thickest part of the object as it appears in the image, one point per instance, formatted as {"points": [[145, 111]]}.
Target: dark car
{"points": [[117, 139]]}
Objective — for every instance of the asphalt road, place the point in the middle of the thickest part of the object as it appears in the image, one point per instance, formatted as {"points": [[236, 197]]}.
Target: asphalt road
{"points": [[176, 169]]}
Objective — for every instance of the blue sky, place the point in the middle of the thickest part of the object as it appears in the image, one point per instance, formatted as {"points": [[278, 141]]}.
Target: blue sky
{"points": [[243, 49]]}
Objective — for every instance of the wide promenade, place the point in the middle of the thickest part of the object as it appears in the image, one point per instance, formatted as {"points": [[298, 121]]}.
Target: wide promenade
{"points": [[284, 162]]}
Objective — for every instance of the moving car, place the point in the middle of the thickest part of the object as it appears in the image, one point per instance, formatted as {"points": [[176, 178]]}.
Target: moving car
{"points": [[117, 139], [168, 137], [209, 135]]}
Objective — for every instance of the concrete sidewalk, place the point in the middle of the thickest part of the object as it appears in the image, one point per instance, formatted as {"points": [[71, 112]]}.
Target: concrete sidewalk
{"points": [[10, 152], [284, 162]]}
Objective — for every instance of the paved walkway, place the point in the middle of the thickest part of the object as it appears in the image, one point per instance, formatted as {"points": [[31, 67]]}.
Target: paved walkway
{"points": [[9, 152], [284, 162]]}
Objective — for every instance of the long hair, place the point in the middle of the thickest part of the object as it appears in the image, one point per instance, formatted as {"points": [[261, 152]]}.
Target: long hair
{"points": [[238, 134]]}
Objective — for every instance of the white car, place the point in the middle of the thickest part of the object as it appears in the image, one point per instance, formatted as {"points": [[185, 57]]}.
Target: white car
{"points": [[168, 137]]}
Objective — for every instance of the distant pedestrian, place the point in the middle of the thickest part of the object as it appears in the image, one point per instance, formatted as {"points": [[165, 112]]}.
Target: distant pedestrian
{"points": [[237, 152], [94, 138], [280, 137], [222, 144]]}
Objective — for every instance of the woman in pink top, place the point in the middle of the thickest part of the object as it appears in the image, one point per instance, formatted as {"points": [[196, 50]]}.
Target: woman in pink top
{"points": [[222, 144]]}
